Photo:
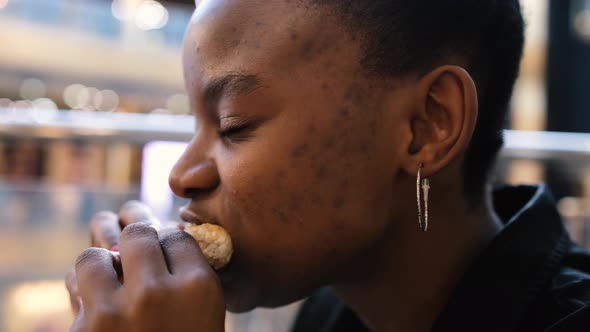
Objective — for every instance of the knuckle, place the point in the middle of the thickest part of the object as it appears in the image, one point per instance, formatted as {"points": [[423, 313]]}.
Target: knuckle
{"points": [[173, 236], [138, 229], [89, 256]]}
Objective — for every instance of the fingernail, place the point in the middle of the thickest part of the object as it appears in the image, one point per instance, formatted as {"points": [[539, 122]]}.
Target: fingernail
{"points": [[115, 248]]}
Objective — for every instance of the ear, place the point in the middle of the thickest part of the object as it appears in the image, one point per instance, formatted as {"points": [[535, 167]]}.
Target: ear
{"points": [[443, 119]]}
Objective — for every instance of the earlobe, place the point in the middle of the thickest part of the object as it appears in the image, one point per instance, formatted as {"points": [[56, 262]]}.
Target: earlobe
{"points": [[444, 119]]}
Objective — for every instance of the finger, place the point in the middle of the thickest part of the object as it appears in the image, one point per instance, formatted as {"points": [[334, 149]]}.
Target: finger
{"points": [[96, 275], [182, 252], [135, 212], [78, 325], [141, 254], [72, 287], [105, 230]]}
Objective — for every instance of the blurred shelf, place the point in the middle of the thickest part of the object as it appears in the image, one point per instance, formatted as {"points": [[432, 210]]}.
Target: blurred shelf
{"points": [[546, 145], [144, 128], [95, 126]]}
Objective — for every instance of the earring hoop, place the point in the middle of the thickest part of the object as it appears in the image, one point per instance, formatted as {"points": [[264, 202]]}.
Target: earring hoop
{"points": [[422, 191]]}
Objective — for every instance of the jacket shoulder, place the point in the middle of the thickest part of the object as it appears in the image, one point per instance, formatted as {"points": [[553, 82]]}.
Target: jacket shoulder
{"points": [[564, 304]]}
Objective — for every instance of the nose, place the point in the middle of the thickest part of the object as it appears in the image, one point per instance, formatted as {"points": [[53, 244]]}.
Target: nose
{"points": [[193, 175]]}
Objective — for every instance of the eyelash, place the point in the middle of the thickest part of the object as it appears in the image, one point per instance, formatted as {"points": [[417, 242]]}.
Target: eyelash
{"points": [[236, 133], [231, 131]]}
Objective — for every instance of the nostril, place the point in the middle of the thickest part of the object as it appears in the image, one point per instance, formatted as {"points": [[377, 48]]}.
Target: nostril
{"points": [[198, 194]]}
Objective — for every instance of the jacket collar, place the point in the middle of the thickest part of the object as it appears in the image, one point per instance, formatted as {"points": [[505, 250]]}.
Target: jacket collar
{"points": [[497, 289]]}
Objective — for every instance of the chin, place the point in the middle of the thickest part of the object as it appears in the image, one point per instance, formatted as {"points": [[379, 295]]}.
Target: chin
{"points": [[238, 309], [238, 301], [243, 299], [242, 293]]}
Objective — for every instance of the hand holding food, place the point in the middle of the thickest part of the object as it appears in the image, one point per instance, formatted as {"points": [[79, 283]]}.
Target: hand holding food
{"points": [[128, 232], [214, 241], [167, 285], [156, 281]]}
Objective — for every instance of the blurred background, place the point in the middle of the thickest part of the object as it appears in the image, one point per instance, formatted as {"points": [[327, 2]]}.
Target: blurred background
{"points": [[93, 113]]}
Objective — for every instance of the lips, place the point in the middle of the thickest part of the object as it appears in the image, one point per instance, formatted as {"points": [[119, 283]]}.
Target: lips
{"points": [[187, 215]]}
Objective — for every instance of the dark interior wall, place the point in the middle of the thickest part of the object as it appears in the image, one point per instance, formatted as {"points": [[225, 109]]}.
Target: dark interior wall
{"points": [[568, 69]]}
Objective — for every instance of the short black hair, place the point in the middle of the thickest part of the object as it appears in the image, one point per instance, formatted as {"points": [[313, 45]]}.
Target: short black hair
{"points": [[485, 37]]}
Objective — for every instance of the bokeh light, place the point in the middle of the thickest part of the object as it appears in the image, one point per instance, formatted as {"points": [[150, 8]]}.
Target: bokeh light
{"points": [[582, 24], [44, 109], [178, 104], [151, 15], [32, 88], [82, 98], [109, 101], [71, 94], [44, 104], [33, 301], [3, 3], [93, 95], [121, 10]]}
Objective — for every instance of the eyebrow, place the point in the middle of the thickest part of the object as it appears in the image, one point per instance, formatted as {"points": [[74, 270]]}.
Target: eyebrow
{"points": [[230, 85]]}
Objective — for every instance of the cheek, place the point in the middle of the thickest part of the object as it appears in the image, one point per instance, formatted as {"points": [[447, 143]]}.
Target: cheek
{"points": [[311, 198]]}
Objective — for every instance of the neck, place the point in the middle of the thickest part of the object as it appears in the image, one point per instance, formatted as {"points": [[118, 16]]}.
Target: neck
{"points": [[410, 277]]}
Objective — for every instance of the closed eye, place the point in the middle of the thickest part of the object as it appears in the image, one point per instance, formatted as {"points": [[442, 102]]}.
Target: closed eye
{"points": [[234, 129], [231, 131]]}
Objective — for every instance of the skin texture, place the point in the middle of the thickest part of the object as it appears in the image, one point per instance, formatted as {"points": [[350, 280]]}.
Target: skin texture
{"points": [[310, 166], [297, 171]]}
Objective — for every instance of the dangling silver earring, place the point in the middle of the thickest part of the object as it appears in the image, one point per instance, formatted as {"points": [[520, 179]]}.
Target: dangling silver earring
{"points": [[422, 189]]}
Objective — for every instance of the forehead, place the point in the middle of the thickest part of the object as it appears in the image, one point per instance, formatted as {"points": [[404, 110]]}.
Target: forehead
{"points": [[262, 35]]}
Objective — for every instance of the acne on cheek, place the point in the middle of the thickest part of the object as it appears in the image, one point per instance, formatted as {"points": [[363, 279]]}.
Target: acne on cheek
{"points": [[267, 195], [313, 176], [300, 150], [321, 171], [328, 143], [244, 191], [344, 111], [280, 214], [338, 201], [316, 200], [295, 202]]}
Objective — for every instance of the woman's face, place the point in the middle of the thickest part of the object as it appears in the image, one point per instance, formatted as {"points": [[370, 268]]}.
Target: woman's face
{"points": [[294, 153]]}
